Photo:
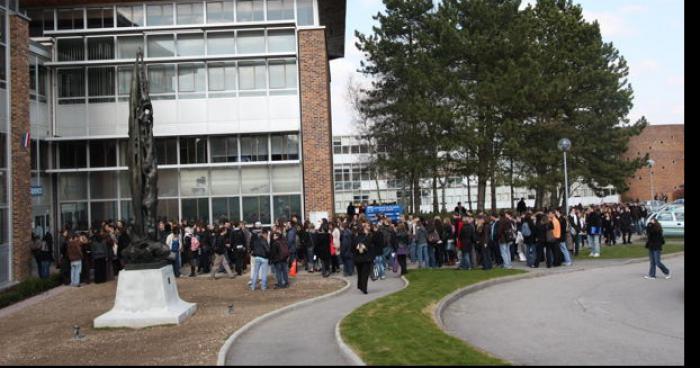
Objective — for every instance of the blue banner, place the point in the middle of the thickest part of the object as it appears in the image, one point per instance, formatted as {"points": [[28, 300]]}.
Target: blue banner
{"points": [[393, 212]]}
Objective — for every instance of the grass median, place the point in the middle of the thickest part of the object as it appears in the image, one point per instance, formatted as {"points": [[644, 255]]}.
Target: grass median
{"points": [[399, 329], [634, 250]]}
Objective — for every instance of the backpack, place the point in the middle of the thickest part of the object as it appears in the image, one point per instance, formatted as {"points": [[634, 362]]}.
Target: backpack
{"points": [[525, 230], [175, 245], [194, 243], [434, 237]]}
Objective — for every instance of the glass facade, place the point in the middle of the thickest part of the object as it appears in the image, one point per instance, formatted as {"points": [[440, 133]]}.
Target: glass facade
{"points": [[4, 152]]}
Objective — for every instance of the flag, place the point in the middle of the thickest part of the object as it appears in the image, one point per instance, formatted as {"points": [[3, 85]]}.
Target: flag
{"points": [[26, 140]]}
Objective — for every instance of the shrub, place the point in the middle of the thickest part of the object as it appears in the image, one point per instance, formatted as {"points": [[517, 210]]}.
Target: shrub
{"points": [[27, 289]]}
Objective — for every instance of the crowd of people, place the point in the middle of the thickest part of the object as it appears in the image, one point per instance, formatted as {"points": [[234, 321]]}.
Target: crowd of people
{"points": [[353, 244]]}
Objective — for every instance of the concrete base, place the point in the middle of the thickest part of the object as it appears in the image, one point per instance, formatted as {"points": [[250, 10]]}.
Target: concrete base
{"points": [[146, 298]]}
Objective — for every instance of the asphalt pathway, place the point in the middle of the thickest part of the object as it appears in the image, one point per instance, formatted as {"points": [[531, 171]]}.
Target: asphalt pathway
{"points": [[598, 316], [306, 336]]}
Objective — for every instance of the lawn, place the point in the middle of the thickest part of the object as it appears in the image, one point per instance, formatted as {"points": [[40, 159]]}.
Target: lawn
{"points": [[399, 329], [634, 250]]}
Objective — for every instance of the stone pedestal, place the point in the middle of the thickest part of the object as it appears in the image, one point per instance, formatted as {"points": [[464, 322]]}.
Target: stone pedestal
{"points": [[146, 298]]}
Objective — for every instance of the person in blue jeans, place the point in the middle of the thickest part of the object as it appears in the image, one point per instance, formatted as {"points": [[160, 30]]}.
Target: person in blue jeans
{"points": [[655, 242], [466, 238], [261, 256], [377, 238], [505, 237], [422, 244]]}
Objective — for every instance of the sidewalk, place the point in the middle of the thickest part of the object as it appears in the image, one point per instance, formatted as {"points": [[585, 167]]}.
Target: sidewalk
{"points": [[306, 336]]}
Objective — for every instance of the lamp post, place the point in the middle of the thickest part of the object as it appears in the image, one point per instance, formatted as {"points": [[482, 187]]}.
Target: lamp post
{"points": [[564, 145], [650, 163]]}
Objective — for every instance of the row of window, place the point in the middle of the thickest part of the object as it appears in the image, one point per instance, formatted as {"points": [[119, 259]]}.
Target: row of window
{"points": [[248, 209], [187, 80], [182, 150], [350, 145], [232, 42], [223, 181], [349, 177], [168, 14]]}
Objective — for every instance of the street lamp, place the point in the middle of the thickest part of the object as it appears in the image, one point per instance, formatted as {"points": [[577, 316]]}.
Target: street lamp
{"points": [[650, 163], [564, 145]]}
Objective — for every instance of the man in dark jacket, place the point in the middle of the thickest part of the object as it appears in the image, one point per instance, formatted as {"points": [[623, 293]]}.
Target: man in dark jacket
{"points": [[239, 248], [522, 207], [220, 250], [626, 226], [279, 255], [261, 254], [505, 237], [363, 254], [466, 240], [346, 249], [655, 242]]}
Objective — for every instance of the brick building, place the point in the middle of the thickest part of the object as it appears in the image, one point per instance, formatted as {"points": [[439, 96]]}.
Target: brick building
{"points": [[241, 98], [665, 146]]}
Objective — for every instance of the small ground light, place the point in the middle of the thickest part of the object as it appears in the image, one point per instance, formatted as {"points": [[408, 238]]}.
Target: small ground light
{"points": [[76, 333]]}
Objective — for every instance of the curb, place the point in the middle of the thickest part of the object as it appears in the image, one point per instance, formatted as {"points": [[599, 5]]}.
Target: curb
{"points": [[221, 360], [345, 348], [457, 294]]}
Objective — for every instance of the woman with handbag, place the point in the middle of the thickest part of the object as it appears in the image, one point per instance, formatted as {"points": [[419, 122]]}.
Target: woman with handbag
{"points": [[363, 255], [403, 240], [655, 242]]}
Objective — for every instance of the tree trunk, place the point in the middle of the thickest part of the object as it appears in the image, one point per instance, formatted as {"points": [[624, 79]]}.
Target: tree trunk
{"points": [[469, 193], [493, 191], [512, 200], [436, 206], [416, 195], [443, 185]]}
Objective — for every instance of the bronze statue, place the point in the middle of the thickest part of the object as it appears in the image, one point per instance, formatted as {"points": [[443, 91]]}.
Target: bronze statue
{"points": [[145, 251]]}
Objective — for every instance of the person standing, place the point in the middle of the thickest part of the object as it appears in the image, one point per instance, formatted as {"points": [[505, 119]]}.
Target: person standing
{"points": [[421, 243], [542, 228], [626, 225], [98, 251], [527, 229], [655, 242], [363, 255], [65, 260], [261, 255], [293, 239], [594, 224], [323, 248], [335, 251], [377, 240], [173, 241], [561, 222], [279, 256], [75, 256], [346, 254], [190, 254], [403, 241], [466, 239], [522, 207], [350, 211], [482, 242], [220, 254], [505, 236], [35, 247]]}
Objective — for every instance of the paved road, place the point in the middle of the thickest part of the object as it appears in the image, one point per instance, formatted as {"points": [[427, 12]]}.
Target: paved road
{"points": [[601, 316], [306, 336]]}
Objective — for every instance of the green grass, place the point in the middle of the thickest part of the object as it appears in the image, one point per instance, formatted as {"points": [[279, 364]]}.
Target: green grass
{"points": [[28, 288], [398, 329], [634, 250]]}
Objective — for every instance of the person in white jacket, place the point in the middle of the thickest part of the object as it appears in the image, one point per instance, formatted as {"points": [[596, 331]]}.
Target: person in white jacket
{"points": [[174, 242]]}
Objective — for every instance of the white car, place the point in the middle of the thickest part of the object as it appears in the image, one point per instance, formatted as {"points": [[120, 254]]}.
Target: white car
{"points": [[671, 218]]}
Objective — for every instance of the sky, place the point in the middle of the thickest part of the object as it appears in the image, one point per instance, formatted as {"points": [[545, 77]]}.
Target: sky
{"points": [[648, 33]]}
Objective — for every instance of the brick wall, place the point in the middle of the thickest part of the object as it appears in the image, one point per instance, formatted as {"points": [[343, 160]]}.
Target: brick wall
{"points": [[21, 176], [314, 82], [666, 147]]}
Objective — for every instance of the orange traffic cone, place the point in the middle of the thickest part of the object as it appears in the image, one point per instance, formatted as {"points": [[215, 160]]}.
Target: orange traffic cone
{"points": [[293, 270]]}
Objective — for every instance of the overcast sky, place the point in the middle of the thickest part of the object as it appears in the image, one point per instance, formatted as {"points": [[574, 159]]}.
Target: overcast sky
{"points": [[648, 33]]}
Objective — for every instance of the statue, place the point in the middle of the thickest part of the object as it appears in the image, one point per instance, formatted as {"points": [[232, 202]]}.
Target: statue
{"points": [[145, 250]]}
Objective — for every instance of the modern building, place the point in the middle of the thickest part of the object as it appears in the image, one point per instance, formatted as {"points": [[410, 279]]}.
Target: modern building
{"points": [[355, 182], [666, 147], [241, 101]]}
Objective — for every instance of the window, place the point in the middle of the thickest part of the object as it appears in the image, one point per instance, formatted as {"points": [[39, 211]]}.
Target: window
{"points": [[75, 215], [101, 84], [281, 41], [249, 10], [159, 15], [194, 183], [168, 209], [71, 86], [191, 44], [224, 149], [285, 147], [305, 12], [193, 150], [220, 11], [100, 48], [286, 179], [42, 84], [102, 17], [280, 9], [161, 46], [103, 185], [336, 148], [191, 80], [166, 149], [222, 79], [255, 180], [69, 19], [124, 184], [225, 181], [124, 81], [221, 43], [226, 208], [195, 210], [103, 211], [254, 148], [41, 20], [70, 49], [251, 75], [283, 75], [72, 155], [286, 206], [256, 209], [250, 42], [130, 16], [72, 186], [127, 46], [127, 211], [161, 81], [103, 153], [167, 183], [190, 13]]}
